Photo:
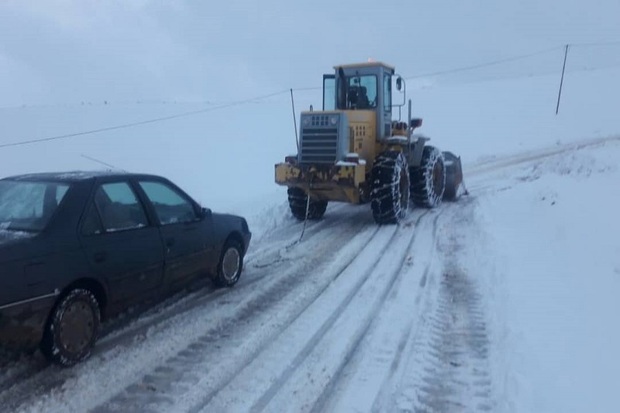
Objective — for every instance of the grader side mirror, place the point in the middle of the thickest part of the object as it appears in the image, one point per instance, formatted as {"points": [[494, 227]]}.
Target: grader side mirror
{"points": [[416, 123], [399, 83]]}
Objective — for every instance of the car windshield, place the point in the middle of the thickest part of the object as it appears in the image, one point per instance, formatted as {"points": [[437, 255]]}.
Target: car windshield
{"points": [[28, 206]]}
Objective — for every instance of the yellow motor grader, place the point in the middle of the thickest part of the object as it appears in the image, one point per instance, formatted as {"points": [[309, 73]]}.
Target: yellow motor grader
{"points": [[353, 151]]}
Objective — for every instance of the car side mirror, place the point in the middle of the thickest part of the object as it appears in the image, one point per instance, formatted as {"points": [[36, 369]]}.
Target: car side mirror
{"points": [[205, 213]]}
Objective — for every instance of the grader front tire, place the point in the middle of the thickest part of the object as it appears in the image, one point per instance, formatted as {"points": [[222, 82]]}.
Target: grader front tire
{"points": [[298, 200]]}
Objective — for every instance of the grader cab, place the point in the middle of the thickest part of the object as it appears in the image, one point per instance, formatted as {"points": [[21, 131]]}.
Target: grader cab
{"points": [[353, 151]]}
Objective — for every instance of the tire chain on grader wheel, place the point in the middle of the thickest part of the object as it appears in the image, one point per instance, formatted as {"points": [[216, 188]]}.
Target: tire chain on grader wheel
{"points": [[389, 194], [427, 187]]}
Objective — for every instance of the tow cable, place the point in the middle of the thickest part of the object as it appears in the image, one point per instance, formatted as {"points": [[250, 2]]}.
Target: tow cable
{"points": [[303, 230]]}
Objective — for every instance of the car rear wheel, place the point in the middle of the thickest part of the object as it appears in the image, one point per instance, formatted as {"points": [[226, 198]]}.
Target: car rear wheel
{"points": [[72, 329], [230, 265]]}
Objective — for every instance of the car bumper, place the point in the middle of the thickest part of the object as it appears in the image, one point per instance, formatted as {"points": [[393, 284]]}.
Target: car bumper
{"points": [[22, 323], [246, 241]]}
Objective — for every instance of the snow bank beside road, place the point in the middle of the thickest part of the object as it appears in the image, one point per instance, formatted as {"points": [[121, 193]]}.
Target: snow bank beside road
{"points": [[546, 245]]}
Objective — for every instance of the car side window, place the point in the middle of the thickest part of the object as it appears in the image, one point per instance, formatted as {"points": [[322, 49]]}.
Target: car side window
{"points": [[119, 208], [171, 207]]}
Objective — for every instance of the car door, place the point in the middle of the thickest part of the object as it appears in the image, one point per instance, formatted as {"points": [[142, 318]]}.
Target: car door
{"points": [[183, 232], [122, 246]]}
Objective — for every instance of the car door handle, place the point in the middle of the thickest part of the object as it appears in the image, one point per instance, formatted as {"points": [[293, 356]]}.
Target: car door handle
{"points": [[100, 256]]}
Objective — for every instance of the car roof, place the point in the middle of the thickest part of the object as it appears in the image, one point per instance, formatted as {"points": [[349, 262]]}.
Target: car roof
{"points": [[76, 176]]}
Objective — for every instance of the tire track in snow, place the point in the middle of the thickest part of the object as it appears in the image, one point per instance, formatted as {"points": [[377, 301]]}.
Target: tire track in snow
{"points": [[366, 374], [200, 379], [449, 369], [291, 366], [458, 378], [43, 383], [324, 367]]}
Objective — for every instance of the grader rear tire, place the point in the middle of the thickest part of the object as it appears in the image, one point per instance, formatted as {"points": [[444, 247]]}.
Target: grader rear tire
{"points": [[428, 181], [297, 201], [389, 196]]}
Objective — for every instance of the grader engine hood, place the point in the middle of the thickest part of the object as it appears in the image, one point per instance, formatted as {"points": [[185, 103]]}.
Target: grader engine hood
{"points": [[321, 164], [324, 138]]}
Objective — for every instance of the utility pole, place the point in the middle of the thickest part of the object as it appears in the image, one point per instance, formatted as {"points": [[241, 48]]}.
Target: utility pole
{"points": [[557, 108], [294, 120]]}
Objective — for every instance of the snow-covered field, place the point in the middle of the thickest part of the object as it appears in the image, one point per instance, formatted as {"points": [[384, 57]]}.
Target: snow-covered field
{"points": [[543, 245]]}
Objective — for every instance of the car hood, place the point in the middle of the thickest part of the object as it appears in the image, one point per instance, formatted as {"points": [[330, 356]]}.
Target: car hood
{"points": [[225, 217], [232, 221]]}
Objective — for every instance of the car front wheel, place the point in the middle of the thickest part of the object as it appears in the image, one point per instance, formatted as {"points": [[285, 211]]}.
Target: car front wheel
{"points": [[72, 329], [230, 265]]}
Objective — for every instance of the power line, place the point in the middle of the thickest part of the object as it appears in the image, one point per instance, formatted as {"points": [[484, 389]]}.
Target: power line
{"points": [[615, 43], [536, 74], [473, 67], [303, 89], [144, 122], [481, 65]]}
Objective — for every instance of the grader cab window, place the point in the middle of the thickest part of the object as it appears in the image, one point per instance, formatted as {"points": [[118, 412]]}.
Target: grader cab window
{"points": [[362, 92], [329, 92], [387, 92]]}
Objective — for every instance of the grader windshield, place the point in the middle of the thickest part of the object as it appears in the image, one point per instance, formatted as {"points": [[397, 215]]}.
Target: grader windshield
{"points": [[361, 92]]}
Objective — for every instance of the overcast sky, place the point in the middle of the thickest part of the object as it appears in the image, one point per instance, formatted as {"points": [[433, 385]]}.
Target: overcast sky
{"points": [[68, 51]]}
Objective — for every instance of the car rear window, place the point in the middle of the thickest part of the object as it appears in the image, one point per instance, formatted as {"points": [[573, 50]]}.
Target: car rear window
{"points": [[28, 206]]}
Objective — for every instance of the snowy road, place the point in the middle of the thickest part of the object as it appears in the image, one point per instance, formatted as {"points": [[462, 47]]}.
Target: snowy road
{"points": [[356, 317]]}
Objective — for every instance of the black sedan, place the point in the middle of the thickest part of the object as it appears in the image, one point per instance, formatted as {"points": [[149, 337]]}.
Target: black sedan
{"points": [[79, 247]]}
